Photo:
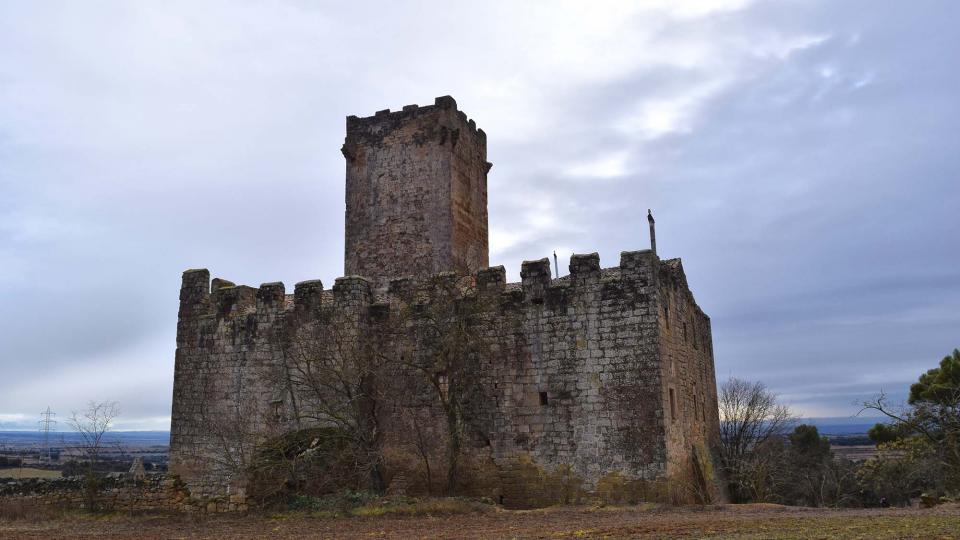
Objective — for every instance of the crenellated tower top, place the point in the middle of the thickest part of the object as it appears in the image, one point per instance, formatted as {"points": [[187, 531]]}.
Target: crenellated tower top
{"points": [[416, 194]]}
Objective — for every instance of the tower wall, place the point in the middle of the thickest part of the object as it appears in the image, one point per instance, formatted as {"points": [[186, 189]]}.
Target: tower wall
{"points": [[689, 391], [416, 194], [228, 390]]}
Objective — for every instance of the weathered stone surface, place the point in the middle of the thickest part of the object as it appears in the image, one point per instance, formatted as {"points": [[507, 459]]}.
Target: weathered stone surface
{"points": [[149, 493], [596, 379], [416, 197]]}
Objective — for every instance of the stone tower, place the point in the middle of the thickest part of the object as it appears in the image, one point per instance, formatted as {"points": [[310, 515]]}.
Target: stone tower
{"points": [[416, 194]]}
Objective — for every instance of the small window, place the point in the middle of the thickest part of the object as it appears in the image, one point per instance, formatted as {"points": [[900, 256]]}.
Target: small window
{"points": [[277, 410], [543, 399], [673, 406], [444, 383], [684, 332]]}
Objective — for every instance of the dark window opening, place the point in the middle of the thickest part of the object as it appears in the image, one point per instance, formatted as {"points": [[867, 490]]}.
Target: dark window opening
{"points": [[684, 332], [278, 410], [444, 383], [543, 398]]}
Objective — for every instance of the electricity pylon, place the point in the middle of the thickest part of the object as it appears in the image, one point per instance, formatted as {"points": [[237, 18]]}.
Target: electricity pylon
{"points": [[45, 424]]}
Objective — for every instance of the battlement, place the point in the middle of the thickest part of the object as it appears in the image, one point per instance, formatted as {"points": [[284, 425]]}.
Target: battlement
{"points": [[222, 298], [383, 122]]}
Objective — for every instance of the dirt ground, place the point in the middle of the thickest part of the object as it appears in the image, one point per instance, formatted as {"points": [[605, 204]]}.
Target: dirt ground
{"points": [[730, 521]]}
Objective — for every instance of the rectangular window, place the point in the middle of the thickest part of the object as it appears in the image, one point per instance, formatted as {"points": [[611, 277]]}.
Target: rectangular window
{"points": [[444, 383], [684, 332], [277, 410], [673, 406], [543, 398]]}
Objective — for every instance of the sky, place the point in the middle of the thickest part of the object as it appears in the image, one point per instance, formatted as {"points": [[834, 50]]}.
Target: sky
{"points": [[801, 157]]}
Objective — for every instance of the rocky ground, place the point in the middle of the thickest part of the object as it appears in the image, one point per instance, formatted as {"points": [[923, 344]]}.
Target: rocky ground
{"points": [[730, 521]]}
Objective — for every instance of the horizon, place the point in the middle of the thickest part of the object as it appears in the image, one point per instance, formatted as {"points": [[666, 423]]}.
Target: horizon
{"points": [[821, 421]]}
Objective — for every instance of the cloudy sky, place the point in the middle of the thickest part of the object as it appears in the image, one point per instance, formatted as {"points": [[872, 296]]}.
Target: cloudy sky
{"points": [[801, 157]]}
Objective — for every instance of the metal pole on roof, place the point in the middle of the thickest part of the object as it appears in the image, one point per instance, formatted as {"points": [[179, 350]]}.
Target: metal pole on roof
{"points": [[653, 232]]}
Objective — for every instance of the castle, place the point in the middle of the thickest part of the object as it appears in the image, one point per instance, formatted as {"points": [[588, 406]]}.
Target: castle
{"points": [[516, 391]]}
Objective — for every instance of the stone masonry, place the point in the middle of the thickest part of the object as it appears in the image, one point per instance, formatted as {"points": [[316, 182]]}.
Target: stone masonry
{"points": [[416, 192], [603, 373]]}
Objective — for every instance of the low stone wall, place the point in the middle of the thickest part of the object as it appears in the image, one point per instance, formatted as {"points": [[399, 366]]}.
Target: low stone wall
{"points": [[155, 494]]}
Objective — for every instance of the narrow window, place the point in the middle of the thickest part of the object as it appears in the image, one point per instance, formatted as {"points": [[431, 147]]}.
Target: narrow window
{"points": [[277, 410], [543, 398], [444, 383], [673, 406], [684, 332]]}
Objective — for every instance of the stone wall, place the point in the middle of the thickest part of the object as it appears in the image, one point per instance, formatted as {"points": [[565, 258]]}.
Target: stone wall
{"points": [[416, 193], [686, 349], [579, 390], [568, 376], [155, 493], [228, 393]]}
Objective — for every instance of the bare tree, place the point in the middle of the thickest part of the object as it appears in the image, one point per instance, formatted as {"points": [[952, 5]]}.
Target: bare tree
{"points": [[752, 424], [335, 372], [934, 422], [92, 424], [442, 349]]}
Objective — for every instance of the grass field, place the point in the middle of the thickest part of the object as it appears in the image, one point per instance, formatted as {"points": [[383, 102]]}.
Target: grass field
{"points": [[730, 521], [28, 472]]}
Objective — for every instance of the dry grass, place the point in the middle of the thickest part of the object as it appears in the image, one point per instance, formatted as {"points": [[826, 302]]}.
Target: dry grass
{"points": [[407, 507], [427, 507], [14, 509], [28, 472], [452, 518]]}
